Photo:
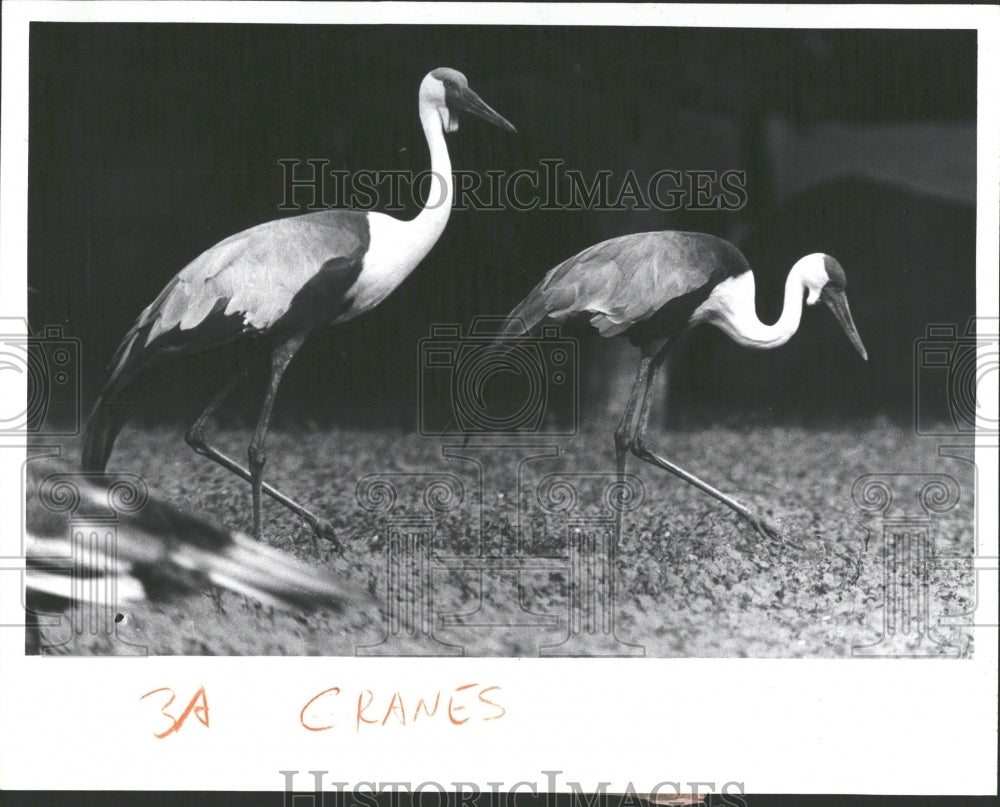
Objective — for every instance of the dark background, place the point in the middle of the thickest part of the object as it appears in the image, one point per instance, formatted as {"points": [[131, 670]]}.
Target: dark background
{"points": [[150, 143]]}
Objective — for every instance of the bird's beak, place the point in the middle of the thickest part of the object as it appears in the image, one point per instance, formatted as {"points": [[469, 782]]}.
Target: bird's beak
{"points": [[466, 100], [836, 301]]}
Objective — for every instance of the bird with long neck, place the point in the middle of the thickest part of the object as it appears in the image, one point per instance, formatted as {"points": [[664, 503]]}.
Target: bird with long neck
{"points": [[275, 283], [396, 247], [731, 305], [650, 288]]}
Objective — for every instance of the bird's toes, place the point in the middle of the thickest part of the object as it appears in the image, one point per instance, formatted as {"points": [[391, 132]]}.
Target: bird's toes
{"points": [[324, 530], [771, 530]]}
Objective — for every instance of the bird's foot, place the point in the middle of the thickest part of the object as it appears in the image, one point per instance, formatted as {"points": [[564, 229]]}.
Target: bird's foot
{"points": [[323, 530], [770, 530]]}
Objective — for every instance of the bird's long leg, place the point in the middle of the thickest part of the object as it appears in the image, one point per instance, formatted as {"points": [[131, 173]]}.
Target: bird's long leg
{"points": [[762, 524], [195, 437], [280, 357], [624, 431]]}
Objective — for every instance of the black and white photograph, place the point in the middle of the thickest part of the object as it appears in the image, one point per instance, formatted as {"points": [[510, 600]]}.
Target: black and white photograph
{"points": [[632, 340]]}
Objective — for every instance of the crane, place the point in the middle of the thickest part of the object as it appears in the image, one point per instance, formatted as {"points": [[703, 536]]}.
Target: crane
{"points": [[158, 551], [650, 288], [275, 283]]}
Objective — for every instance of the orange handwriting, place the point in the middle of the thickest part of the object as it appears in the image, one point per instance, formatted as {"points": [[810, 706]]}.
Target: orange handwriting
{"points": [[198, 705], [464, 704]]}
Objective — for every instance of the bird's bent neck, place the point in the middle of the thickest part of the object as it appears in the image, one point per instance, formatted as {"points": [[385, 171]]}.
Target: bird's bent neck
{"points": [[732, 307]]}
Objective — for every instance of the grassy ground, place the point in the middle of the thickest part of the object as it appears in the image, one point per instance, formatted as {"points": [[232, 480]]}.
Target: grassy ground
{"points": [[692, 578]]}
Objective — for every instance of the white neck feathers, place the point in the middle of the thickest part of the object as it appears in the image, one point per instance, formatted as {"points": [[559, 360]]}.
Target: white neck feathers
{"points": [[401, 245], [396, 247], [731, 307], [431, 221]]}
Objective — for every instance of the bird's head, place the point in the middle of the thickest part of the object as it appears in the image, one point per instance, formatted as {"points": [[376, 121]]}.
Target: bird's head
{"points": [[447, 92], [824, 281]]}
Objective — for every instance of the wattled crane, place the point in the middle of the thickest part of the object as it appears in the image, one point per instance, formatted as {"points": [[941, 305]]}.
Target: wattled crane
{"points": [[649, 288], [277, 282]]}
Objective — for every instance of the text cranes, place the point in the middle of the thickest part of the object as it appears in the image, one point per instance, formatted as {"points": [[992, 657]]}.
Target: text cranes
{"points": [[277, 282]]}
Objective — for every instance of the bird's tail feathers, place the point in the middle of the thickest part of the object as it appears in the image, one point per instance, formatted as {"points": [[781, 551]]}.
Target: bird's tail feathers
{"points": [[161, 551], [106, 418], [99, 435]]}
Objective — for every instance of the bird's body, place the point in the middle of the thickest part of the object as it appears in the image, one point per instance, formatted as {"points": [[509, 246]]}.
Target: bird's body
{"points": [[641, 286], [278, 281], [651, 287], [158, 551], [278, 277]]}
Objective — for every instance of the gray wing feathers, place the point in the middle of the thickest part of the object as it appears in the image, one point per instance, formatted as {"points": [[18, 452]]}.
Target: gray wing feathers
{"points": [[249, 278], [256, 272], [624, 280], [526, 315], [253, 275]]}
